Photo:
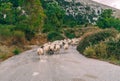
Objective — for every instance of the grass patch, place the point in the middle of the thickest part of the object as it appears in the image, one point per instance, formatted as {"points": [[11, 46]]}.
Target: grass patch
{"points": [[16, 51]]}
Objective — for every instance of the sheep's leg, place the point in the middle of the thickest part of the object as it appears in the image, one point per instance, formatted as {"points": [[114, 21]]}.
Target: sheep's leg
{"points": [[45, 52], [45, 55], [56, 53]]}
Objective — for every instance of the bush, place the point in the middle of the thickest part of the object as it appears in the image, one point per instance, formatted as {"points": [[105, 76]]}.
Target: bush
{"points": [[18, 38], [19, 34], [96, 51], [70, 34], [92, 38], [47, 28], [106, 20], [16, 51], [6, 31], [89, 52], [52, 36], [107, 50], [113, 47]]}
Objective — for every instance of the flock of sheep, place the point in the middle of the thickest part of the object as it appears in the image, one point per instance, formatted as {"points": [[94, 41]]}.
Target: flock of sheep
{"points": [[54, 47]]}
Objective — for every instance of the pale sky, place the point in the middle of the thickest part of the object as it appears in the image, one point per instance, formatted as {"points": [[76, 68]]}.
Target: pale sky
{"points": [[113, 3]]}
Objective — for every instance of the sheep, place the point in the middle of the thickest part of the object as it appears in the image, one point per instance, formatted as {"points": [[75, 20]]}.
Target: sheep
{"points": [[51, 50], [52, 46], [69, 41], [40, 51], [74, 41], [57, 48], [66, 46], [46, 48], [60, 43]]}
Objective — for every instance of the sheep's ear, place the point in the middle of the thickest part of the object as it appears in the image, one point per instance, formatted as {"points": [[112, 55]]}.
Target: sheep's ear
{"points": [[42, 46]]}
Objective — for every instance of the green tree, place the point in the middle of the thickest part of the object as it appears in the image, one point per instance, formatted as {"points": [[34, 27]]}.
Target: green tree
{"points": [[106, 20], [6, 13], [54, 13], [33, 20], [14, 2]]}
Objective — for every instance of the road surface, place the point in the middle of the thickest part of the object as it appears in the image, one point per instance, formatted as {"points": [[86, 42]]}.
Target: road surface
{"points": [[67, 66]]}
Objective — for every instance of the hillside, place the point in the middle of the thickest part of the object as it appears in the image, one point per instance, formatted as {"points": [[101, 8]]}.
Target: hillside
{"points": [[80, 12], [97, 5]]}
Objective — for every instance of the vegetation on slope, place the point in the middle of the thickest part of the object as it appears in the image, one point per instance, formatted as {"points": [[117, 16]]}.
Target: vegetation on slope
{"points": [[20, 22]]}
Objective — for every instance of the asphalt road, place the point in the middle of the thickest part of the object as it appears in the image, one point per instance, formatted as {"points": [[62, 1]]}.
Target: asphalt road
{"points": [[67, 66]]}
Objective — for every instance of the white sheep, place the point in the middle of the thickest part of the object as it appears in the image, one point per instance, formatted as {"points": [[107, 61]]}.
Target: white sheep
{"points": [[60, 43], [57, 48], [69, 41], [46, 48], [51, 50], [52, 46], [40, 51], [66, 46], [74, 41]]}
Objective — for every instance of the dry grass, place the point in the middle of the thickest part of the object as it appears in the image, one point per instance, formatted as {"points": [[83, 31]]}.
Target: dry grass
{"points": [[7, 48]]}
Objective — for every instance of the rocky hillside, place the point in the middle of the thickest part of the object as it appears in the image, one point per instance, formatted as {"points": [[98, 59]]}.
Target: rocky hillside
{"points": [[96, 6], [87, 10]]}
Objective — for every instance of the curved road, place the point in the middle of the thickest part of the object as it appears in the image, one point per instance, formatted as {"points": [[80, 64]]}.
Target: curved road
{"points": [[67, 66]]}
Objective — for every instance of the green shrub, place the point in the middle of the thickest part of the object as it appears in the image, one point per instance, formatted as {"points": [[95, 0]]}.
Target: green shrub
{"points": [[89, 52], [109, 49], [101, 50], [19, 34], [18, 37], [107, 20], [113, 47], [52, 36], [97, 51], [69, 34], [93, 38], [16, 51], [6, 31], [47, 28]]}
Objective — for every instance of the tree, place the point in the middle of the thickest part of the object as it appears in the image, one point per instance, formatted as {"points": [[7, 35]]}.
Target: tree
{"points": [[14, 2], [54, 13], [106, 20], [33, 20], [6, 13]]}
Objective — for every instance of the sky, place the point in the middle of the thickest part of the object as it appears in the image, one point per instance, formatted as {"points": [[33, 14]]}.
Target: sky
{"points": [[113, 3]]}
